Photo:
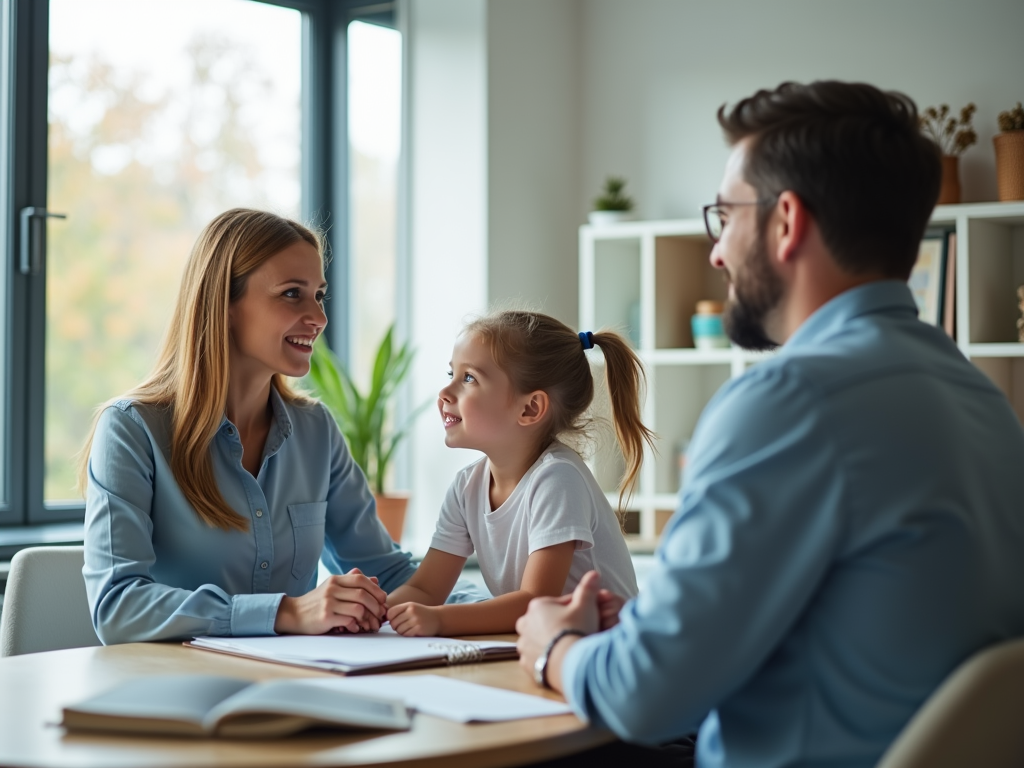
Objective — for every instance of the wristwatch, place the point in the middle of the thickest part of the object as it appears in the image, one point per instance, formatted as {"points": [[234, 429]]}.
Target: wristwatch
{"points": [[540, 666]]}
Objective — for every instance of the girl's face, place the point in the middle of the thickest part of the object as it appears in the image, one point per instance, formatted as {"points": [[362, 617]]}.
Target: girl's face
{"points": [[281, 313], [478, 408]]}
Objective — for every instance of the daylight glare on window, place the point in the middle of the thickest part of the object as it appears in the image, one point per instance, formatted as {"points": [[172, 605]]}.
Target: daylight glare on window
{"points": [[374, 124], [162, 114]]}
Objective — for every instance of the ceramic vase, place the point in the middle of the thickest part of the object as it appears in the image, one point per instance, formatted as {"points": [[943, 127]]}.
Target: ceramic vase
{"points": [[600, 218], [391, 511], [949, 192]]}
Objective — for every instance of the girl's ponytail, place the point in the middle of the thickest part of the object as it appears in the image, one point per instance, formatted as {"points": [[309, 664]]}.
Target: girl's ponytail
{"points": [[626, 381]]}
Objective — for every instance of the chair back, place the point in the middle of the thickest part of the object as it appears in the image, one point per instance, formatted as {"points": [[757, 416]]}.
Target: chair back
{"points": [[45, 605], [975, 718]]}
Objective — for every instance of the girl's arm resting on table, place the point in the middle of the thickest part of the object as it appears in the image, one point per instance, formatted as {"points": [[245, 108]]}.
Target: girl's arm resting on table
{"points": [[545, 575], [432, 582]]}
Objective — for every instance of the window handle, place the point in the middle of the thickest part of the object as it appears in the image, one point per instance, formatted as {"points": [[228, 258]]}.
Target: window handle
{"points": [[32, 219]]}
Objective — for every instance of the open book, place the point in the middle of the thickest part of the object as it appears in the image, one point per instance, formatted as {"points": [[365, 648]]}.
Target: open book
{"points": [[382, 651], [209, 705]]}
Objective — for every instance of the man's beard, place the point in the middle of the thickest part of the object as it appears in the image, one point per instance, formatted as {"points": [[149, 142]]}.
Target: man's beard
{"points": [[757, 291]]}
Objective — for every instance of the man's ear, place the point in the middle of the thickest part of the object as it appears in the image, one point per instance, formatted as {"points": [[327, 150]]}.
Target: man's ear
{"points": [[534, 408], [790, 223]]}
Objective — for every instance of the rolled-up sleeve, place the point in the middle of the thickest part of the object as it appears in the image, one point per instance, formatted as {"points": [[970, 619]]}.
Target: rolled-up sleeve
{"points": [[739, 561], [126, 603]]}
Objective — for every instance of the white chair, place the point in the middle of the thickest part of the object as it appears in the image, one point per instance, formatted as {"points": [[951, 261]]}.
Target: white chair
{"points": [[975, 718], [45, 605]]}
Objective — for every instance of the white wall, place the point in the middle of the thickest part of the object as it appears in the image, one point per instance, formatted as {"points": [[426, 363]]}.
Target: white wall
{"points": [[447, 228], [493, 163], [534, 100], [656, 71]]}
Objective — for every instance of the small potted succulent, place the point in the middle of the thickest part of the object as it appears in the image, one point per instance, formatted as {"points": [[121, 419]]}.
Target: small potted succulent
{"points": [[952, 135], [1009, 145], [612, 204], [364, 417]]}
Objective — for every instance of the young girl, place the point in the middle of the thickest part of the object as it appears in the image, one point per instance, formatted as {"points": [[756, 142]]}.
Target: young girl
{"points": [[530, 508]]}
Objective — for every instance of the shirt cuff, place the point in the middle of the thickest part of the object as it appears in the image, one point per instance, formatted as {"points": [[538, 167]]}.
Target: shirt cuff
{"points": [[574, 685], [254, 615]]}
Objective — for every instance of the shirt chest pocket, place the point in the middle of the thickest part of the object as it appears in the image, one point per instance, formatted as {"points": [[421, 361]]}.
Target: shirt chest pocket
{"points": [[308, 529]]}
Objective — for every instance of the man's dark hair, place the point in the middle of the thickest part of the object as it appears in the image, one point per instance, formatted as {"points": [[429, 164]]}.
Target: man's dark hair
{"points": [[855, 156]]}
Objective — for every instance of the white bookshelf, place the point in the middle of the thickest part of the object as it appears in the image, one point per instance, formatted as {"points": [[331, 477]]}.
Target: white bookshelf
{"points": [[656, 271]]}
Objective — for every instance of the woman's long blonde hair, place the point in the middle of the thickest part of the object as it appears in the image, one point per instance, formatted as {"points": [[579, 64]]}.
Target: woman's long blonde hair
{"points": [[191, 373]]}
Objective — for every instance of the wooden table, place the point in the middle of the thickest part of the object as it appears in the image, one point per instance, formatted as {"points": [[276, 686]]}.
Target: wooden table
{"points": [[34, 687]]}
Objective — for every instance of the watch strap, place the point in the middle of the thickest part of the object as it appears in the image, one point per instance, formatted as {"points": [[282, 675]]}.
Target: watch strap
{"points": [[540, 668]]}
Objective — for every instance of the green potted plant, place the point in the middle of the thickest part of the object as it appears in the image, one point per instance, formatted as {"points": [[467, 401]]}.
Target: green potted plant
{"points": [[612, 204], [952, 135], [364, 417], [1009, 145]]}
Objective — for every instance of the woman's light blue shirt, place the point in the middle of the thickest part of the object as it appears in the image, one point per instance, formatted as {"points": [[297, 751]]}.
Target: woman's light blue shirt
{"points": [[154, 570]]}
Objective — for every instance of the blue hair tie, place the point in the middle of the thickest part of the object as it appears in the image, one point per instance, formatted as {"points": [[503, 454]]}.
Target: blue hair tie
{"points": [[587, 339]]}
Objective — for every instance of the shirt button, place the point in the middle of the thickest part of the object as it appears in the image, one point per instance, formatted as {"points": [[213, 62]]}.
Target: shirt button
{"points": [[259, 513], [231, 431], [263, 565]]}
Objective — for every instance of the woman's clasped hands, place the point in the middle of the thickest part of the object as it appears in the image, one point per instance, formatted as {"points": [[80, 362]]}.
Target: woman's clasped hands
{"points": [[349, 603]]}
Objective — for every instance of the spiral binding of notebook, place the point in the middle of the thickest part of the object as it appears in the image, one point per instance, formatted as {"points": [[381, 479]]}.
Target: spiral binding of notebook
{"points": [[459, 653]]}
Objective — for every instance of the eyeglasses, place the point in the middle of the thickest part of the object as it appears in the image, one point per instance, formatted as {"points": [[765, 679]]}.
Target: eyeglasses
{"points": [[713, 213]]}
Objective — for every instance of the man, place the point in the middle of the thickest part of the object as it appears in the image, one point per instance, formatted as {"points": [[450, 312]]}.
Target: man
{"points": [[850, 527]]}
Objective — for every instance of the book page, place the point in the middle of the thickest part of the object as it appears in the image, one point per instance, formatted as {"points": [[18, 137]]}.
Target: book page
{"points": [[169, 698], [261, 704]]}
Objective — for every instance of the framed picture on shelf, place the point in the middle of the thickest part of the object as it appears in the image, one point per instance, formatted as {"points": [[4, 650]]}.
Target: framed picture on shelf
{"points": [[927, 280]]}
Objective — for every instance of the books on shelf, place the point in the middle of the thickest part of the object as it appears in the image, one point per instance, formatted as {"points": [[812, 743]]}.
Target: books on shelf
{"points": [[383, 651], [210, 705], [933, 279]]}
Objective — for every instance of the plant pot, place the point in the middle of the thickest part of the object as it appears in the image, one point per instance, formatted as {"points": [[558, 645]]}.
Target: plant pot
{"points": [[949, 192], [600, 218], [391, 511], [1010, 165]]}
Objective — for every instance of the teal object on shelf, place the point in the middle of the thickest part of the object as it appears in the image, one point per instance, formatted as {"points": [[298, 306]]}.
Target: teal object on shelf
{"points": [[707, 327]]}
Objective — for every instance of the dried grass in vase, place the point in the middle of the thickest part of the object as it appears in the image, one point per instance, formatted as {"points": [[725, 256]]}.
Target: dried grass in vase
{"points": [[952, 135]]}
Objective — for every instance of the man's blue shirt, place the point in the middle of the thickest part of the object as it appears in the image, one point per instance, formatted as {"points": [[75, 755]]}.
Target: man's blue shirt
{"points": [[154, 570], [850, 529]]}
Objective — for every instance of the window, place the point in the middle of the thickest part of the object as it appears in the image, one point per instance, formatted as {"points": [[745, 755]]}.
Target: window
{"points": [[150, 136], [139, 122], [374, 129]]}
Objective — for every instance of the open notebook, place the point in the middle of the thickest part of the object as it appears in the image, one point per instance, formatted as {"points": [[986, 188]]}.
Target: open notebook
{"points": [[382, 651]]}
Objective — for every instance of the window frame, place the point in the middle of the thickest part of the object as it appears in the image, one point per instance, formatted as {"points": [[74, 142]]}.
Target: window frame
{"points": [[25, 517]]}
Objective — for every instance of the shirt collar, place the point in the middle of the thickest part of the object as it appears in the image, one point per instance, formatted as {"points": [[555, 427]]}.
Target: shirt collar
{"points": [[876, 297], [280, 426]]}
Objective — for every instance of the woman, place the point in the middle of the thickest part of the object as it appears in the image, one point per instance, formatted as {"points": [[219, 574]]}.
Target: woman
{"points": [[213, 488]]}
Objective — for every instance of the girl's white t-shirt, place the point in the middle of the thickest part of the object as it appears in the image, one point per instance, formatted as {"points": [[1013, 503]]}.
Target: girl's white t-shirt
{"points": [[558, 500]]}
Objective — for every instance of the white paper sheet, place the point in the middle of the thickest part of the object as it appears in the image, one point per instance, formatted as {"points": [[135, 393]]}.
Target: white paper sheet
{"points": [[450, 699], [351, 651]]}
